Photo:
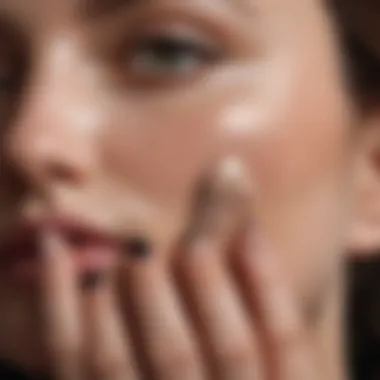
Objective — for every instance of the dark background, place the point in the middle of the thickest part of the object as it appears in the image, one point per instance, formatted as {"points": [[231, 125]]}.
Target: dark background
{"points": [[364, 320]]}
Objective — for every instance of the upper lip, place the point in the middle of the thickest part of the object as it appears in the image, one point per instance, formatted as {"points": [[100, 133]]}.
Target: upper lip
{"points": [[24, 237]]}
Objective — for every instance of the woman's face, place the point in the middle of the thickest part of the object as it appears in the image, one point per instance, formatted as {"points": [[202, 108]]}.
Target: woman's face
{"points": [[113, 110]]}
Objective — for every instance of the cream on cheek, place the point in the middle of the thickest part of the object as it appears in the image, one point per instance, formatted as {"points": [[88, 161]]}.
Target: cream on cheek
{"points": [[162, 145], [157, 149]]}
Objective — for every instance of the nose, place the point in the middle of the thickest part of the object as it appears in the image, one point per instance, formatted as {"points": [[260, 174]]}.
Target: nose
{"points": [[52, 138]]}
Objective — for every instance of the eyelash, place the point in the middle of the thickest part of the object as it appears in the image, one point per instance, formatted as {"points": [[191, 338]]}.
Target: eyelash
{"points": [[153, 58], [175, 56]]}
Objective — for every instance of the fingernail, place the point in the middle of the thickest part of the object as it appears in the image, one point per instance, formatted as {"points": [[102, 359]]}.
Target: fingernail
{"points": [[222, 202], [232, 168], [233, 178], [92, 280], [137, 247], [52, 244]]}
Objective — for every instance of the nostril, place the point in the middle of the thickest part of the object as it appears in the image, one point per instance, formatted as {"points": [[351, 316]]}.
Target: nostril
{"points": [[59, 172]]}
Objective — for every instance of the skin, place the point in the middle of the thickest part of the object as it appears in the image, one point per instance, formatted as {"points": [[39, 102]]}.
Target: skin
{"points": [[106, 131]]}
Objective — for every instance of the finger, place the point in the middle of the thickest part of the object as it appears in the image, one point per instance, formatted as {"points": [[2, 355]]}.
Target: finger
{"points": [[223, 326], [161, 330], [213, 301], [60, 309], [107, 345], [221, 203], [278, 313]]}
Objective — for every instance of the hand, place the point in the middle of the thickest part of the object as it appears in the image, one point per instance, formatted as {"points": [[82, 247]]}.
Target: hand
{"points": [[222, 311]]}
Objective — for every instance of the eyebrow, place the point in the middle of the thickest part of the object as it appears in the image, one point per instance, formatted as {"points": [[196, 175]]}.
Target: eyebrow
{"points": [[103, 8], [100, 8]]}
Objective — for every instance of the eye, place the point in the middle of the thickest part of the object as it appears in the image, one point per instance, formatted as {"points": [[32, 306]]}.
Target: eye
{"points": [[170, 56]]}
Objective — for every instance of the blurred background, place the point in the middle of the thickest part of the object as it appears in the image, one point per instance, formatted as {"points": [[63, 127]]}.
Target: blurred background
{"points": [[361, 31]]}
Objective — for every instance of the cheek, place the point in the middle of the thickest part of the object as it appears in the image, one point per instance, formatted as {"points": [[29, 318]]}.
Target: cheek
{"points": [[161, 151], [162, 144], [293, 139], [303, 161], [295, 142]]}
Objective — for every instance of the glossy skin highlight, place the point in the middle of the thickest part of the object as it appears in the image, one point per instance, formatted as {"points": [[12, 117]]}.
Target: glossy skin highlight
{"points": [[108, 130]]}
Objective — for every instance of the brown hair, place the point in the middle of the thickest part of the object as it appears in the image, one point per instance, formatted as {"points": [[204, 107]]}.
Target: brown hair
{"points": [[360, 33]]}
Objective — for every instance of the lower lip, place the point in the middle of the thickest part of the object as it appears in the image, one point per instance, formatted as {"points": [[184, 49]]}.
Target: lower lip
{"points": [[91, 260]]}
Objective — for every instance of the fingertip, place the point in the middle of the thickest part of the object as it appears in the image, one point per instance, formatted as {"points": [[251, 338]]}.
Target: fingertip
{"points": [[52, 244], [232, 170]]}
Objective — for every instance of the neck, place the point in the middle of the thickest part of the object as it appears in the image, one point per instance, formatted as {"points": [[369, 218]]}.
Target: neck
{"points": [[329, 336]]}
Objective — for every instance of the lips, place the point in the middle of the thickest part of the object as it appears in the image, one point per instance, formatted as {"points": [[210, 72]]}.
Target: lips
{"points": [[91, 248]]}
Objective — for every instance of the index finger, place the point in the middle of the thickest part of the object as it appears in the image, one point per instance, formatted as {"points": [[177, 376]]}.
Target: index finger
{"points": [[277, 311], [60, 306]]}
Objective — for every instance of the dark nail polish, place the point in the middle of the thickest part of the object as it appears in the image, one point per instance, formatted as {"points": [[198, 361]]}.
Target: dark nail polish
{"points": [[91, 280], [137, 247]]}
